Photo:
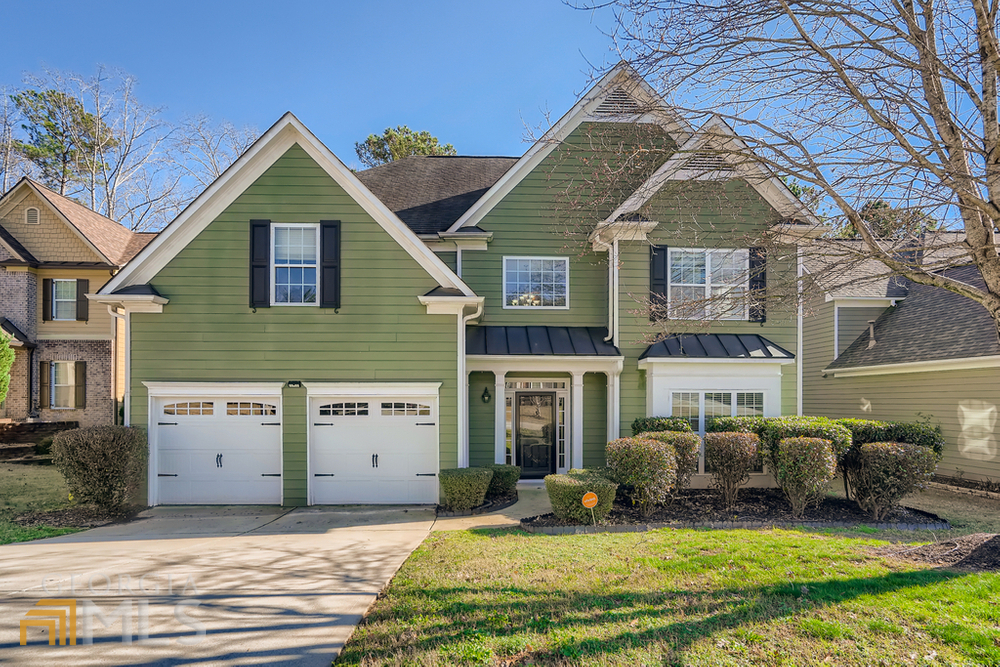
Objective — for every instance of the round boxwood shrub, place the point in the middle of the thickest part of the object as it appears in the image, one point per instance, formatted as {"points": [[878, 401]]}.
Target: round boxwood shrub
{"points": [[646, 465], [687, 447], [464, 488], [805, 466], [103, 465], [777, 429], [731, 457], [504, 480], [653, 424], [871, 430], [887, 471], [736, 424], [566, 495]]}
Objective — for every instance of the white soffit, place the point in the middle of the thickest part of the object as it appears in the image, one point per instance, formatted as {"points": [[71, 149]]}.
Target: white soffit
{"points": [[621, 78], [281, 136]]}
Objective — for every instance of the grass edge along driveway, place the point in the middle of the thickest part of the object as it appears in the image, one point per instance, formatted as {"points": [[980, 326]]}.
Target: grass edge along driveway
{"points": [[676, 597]]}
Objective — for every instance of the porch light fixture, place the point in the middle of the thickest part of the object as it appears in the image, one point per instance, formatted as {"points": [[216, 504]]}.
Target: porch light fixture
{"points": [[486, 395]]}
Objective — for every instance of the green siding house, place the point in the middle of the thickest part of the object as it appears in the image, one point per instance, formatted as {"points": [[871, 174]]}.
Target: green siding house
{"points": [[302, 334]]}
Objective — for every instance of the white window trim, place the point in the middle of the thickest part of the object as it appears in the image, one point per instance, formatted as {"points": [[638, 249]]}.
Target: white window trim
{"points": [[744, 313], [38, 215], [272, 266], [703, 419], [52, 386], [53, 297], [503, 286]]}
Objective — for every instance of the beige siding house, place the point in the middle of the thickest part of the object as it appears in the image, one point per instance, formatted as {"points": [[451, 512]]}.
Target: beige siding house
{"points": [[53, 253]]}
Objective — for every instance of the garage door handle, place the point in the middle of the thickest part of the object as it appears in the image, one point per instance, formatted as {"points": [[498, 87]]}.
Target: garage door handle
{"points": [[323, 474], [166, 423], [425, 424], [323, 424], [270, 474], [426, 474], [270, 423], [166, 474]]}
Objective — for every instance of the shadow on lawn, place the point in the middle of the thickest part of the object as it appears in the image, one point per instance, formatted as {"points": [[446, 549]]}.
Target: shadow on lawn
{"points": [[580, 621]]}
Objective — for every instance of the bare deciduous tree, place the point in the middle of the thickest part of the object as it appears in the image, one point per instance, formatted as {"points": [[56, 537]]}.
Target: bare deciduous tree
{"points": [[864, 101], [209, 148]]}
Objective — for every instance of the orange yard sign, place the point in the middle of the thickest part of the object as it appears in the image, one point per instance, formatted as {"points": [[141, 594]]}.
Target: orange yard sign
{"points": [[590, 500]]}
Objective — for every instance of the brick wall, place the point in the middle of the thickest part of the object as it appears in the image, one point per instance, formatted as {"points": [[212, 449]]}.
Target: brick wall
{"points": [[19, 300], [97, 354], [33, 431], [16, 405]]}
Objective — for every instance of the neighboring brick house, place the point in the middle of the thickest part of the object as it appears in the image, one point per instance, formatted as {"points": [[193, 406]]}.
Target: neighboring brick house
{"points": [[53, 252]]}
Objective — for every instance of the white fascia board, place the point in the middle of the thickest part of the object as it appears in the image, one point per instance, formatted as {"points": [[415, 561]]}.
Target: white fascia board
{"points": [[449, 305], [14, 196], [863, 301], [768, 186], [213, 388], [371, 388], [607, 232], [132, 303], [281, 136], [724, 365], [548, 363], [580, 112], [964, 364]]}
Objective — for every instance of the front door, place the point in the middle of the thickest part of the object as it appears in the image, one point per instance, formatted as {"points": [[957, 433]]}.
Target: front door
{"points": [[535, 425]]}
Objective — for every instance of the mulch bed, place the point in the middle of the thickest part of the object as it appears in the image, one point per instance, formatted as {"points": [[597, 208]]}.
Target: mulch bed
{"points": [[83, 516], [755, 505], [979, 551], [494, 505]]}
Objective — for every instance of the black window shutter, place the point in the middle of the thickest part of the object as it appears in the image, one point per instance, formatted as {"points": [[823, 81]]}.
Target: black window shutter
{"points": [[758, 285], [80, 369], [82, 304], [44, 381], [260, 263], [46, 300], [329, 281], [657, 282]]}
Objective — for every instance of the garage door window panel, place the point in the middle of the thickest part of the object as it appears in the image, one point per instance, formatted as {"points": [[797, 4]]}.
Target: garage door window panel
{"points": [[247, 409], [405, 410], [344, 410], [189, 409]]}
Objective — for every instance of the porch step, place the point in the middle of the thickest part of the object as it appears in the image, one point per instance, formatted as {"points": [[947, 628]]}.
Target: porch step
{"points": [[16, 450]]}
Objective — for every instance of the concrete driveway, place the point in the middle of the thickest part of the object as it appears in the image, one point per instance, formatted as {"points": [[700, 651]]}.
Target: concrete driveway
{"points": [[207, 586]]}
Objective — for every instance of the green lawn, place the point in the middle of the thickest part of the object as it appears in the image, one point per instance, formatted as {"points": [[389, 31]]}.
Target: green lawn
{"points": [[26, 488], [676, 597]]}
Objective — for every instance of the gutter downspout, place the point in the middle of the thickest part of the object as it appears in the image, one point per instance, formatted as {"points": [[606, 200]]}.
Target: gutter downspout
{"points": [[798, 337], [463, 389], [612, 336]]}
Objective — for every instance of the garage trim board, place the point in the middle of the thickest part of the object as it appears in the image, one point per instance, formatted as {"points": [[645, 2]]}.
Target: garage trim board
{"points": [[373, 442], [177, 399]]}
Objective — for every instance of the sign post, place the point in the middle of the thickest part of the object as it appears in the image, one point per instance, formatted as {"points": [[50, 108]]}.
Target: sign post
{"points": [[590, 502]]}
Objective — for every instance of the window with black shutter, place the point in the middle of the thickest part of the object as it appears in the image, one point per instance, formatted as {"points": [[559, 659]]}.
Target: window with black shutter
{"points": [[758, 285], [294, 264], [658, 283]]}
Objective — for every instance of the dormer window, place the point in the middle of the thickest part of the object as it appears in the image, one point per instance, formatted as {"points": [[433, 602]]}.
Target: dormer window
{"points": [[31, 216]]}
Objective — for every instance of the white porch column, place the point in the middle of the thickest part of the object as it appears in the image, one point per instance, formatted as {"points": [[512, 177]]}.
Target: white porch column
{"points": [[614, 405], [500, 417], [576, 433]]}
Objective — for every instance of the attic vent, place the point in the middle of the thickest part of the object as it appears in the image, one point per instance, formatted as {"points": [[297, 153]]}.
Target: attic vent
{"points": [[706, 162], [617, 102], [31, 216]]}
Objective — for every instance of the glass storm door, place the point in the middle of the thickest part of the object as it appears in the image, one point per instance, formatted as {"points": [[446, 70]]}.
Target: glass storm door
{"points": [[536, 434]]}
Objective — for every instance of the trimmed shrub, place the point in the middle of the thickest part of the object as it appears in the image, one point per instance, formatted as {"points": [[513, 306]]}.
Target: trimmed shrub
{"points": [[805, 465], [103, 465], [566, 495], [646, 465], [464, 488], [737, 424], [687, 447], [887, 471], [777, 429], [504, 480], [870, 430], [656, 424], [919, 433], [731, 456]]}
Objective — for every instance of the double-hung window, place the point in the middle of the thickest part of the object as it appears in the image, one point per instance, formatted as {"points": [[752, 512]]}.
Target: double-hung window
{"points": [[536, 282], [294, 260], [63, 384], [63, 299], [698, 407], [708, 284]]}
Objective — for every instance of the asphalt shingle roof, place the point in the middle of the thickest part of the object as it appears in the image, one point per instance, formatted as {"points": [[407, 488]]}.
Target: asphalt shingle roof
{"points": [[931, 324], [429, 193]]}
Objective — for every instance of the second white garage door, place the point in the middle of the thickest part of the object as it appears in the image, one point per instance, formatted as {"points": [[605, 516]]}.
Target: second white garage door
{"points": [[373, 449]]}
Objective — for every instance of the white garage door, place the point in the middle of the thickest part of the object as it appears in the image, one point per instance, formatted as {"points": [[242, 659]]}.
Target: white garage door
{"points": [[373, 449], [218, 450]]}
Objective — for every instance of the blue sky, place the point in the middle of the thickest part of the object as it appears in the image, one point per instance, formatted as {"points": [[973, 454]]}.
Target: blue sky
{"points": [[472, 73]]}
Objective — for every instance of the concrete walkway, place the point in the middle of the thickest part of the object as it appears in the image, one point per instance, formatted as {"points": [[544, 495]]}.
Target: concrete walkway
{"points": [[218, 585]]}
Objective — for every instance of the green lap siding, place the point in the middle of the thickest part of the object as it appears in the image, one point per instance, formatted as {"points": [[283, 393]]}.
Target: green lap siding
{"points": [[595, 419], [381, 333], [481, 419]]}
